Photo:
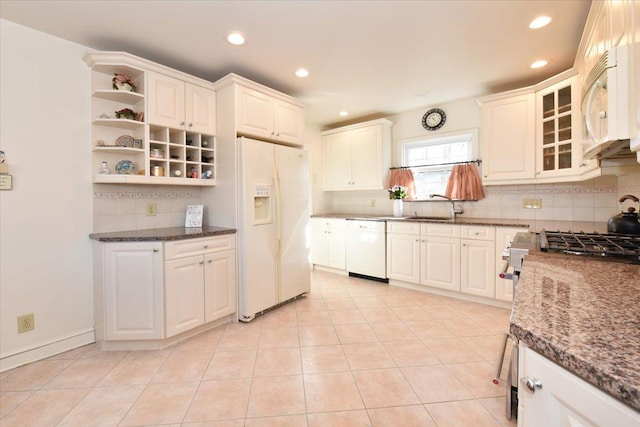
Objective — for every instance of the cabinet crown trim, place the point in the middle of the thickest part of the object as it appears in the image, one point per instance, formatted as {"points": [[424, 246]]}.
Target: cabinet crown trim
{"points": [[384, 122], [232, 78]]}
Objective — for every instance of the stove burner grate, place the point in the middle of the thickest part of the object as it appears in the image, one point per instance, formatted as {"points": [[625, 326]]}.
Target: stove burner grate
{"points": [[596, 244]]}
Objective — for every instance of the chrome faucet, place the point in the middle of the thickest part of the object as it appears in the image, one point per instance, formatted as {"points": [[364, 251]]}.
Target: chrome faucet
{"points": [[454, 210]]}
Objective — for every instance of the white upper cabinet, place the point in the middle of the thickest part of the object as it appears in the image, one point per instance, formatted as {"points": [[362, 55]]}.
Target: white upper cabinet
{"points": [[508, 138], [357, 157], [181, 105], [262, 115]]}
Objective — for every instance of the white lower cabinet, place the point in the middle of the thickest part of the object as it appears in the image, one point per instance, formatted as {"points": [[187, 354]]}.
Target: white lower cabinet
{"points": [[418, 254], [461, 258], [156, 290], [562, 399], [132, 293], [328, 244]]}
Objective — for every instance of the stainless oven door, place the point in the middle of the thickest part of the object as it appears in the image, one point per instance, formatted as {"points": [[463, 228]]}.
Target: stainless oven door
{"points": [[511, 384]]}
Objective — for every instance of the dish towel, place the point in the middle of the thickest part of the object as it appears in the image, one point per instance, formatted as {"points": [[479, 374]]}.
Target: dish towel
{"points": [[403, 178], [465, 183]]}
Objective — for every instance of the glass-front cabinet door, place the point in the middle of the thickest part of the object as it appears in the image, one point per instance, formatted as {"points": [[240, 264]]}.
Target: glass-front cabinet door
{"points": [[557, 128]]}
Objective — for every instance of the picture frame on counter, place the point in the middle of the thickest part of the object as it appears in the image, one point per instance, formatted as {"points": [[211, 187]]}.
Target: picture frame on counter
{"points": [[193, 218]]}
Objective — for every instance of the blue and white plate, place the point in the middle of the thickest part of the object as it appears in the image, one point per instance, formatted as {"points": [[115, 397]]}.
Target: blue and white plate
{"points": [[126, 167]]}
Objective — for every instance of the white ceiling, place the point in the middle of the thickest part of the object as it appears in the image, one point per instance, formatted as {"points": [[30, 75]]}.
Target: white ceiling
{"points": [[368, 57]]}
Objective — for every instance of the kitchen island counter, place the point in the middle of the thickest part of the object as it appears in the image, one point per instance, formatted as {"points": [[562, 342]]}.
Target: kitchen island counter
{"points": [[583, 315], [161, 234]]}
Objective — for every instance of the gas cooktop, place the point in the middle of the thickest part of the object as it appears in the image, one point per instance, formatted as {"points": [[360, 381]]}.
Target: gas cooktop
{"points": [[617, 247]]}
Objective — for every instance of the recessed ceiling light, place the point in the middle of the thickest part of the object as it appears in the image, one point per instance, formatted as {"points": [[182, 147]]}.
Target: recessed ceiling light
{"points": [[235, 38], [539, 22], [344, 113], [539, 64], [301, 72]]}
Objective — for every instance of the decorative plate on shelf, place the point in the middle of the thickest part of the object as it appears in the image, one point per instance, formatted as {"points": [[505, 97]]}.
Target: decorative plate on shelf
{"points": [[126, 167], [125, 141]]}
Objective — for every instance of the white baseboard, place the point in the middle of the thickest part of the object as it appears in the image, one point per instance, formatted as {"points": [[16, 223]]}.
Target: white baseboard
{"points": [[22, 357]]}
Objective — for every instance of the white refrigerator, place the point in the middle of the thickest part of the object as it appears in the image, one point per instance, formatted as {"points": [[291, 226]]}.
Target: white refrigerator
{"points": [[273, 225]]}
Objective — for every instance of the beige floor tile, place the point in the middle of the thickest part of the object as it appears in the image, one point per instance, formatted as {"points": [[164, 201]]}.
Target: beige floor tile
{"points": [[379, 314], [134, 369], [279, 338], [496, 324], [205, 342], [489, 347], [85, 372], [413, 312], [372, 301], [465, 327], [477, 378], [411, 353], [405, 416], [231, 364], [332, 294], [317, 335], [33, 376], [240, 337], [342, 317], [314, 318], [382, 388], [397, 300], [444, 312], [329, 358], [367, 356], [393, 331], [356, 333], [283, 317], [76, 353], [11, 399], [424, 329], [226, 423], [452, 350], [435, 384], [182, 366], [496, 406], [161, 404], [103, 406], [271, 396], [277, 361], [311, 304], [285, 421], [220, 400], [464, 413], [340, 304], [340, 419], [44, 408], [334, 391]]}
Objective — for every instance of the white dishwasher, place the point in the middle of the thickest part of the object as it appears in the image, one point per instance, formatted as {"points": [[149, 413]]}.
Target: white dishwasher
{"points": [[366, 249]]}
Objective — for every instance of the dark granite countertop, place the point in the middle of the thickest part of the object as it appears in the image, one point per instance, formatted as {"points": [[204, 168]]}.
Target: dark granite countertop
{"points": [[584, 315], [161, 234], [459, 220]]}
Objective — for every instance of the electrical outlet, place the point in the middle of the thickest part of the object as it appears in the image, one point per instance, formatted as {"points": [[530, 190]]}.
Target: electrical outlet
{"points": [[151, 209], [533, 203], [373, 203], [26, 323]]}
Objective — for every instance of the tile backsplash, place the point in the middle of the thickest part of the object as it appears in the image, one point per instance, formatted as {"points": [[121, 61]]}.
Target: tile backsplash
{"points": [[119, 208], [595, 200]]}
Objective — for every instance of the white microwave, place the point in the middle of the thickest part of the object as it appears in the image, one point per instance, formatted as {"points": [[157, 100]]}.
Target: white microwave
{"points": [[605, 106]]}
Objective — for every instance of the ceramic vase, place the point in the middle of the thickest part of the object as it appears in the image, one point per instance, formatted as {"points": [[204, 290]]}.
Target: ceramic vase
{"points": [[397, 207], [124, 86]]}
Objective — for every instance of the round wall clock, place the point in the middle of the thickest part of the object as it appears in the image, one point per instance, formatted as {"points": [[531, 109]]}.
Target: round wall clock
{"points": [[434, 119]]}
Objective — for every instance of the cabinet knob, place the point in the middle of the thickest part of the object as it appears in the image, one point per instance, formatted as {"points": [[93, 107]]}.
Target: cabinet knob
{"points": [[209, 261], [278, 134], [155, 249], [181, 123], [189, 124], [201, 262], [531, 383], [205, 246]]}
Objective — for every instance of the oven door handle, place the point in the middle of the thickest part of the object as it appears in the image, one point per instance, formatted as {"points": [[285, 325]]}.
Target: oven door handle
{"points": [[503, 274]]}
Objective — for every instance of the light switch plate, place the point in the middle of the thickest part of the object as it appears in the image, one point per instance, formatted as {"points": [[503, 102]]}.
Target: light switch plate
{"points": [[151, 209], [533, 203]]}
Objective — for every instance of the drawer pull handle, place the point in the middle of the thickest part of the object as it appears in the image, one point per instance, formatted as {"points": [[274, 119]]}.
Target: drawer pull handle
{"points": [[209, 261], [200, 262], [155, 249]]}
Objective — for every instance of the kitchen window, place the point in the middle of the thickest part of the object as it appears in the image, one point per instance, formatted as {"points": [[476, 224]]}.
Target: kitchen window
{"points": [[430, 159]]}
